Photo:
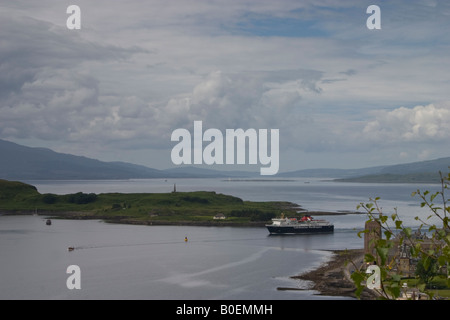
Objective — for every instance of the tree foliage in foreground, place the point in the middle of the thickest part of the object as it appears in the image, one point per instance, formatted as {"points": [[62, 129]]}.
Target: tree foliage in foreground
{"points": [[432, 259]]}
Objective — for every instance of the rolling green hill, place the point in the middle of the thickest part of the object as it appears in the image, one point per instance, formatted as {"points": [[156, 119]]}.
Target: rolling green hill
{"points": [[10, 190]]}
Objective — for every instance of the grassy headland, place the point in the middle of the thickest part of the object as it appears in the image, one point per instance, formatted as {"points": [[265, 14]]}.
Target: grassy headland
{"points": [[141, 208]]}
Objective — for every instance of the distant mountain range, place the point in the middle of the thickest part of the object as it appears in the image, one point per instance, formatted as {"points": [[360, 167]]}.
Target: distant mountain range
{"points": [[419, 172], [19, 162]]}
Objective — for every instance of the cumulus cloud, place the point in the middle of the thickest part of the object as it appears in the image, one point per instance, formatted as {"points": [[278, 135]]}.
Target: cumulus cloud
{"points": [[245, 100], [418, 124], [50, 105], [45, 92], [224, 101]]}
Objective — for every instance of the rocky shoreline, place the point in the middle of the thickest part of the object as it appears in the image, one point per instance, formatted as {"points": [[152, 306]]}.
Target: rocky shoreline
{"points": [[333, 277]]}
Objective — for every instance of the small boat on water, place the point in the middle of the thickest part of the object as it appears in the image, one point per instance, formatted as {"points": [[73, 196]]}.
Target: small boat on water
{"points": [[306, 225], [48, 222], [70, 248]]}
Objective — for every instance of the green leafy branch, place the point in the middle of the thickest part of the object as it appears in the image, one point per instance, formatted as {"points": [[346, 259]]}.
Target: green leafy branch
{"points": [[431, 257]]}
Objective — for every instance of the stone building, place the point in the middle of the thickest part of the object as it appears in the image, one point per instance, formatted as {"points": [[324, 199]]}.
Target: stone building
{"points": [[371, 236], [400, 256]]}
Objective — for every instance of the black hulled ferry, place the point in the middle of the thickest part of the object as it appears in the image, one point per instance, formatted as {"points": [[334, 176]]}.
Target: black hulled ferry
{"points": [[306, 225]]}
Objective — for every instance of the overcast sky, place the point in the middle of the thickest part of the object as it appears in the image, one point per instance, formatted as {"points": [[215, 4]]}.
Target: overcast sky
{"points": [[342, 96]]}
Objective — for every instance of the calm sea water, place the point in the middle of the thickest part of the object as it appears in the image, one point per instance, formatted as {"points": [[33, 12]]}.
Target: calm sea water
{"points": [[154, 262]]}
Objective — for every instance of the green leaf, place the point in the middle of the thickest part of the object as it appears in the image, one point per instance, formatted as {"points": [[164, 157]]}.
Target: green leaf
{"points": [[421, 287], [382, 252], [358, 278], [416, 250], [388, 234], [442, 260], [396, 277], [395, 291], [426, 263], [441, 233], [369, 258], [361, 232], [407, 231], [434, 196]]}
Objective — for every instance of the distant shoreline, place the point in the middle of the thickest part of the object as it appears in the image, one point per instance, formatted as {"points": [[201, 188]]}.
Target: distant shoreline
{"points": [[75, 215], [427, 178]]}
